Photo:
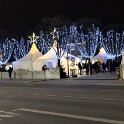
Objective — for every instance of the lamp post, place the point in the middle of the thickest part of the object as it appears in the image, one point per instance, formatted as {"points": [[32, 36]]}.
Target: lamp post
{"points": [[1, 65], [55, 34], [56, 43], [32, 65], [89, 57], [67, 63], [59, 38], [33, 40]]}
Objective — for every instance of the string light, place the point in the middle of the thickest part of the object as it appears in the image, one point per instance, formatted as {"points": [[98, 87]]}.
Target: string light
{"points": [[74, 40], [44, 42], [21, 48], [6, 49], [114, 43], [89, 42]]}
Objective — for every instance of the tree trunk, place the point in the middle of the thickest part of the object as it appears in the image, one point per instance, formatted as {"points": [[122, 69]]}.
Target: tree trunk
{"points": [[58, 62]]}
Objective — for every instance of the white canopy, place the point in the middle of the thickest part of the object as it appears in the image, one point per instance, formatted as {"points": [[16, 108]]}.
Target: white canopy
{"points": [[102, 56], [27, 61], [51, 60]]}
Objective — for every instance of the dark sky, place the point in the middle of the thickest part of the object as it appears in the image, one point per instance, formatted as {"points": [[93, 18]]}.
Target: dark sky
{"points": [[21, 16]]}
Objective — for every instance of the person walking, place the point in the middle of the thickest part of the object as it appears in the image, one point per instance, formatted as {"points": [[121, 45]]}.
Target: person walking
{"points": [[108, 65], [80, 68], [111, 66], [10, 72], [44, 68], [103, 67]]}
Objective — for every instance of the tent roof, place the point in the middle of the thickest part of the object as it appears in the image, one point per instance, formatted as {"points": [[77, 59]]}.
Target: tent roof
{"points": [[33, 54], [103, 55], [70, 56], [51, 54]]}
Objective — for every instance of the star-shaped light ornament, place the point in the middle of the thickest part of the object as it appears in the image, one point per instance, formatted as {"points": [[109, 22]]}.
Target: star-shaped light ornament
{"points": [[33, 38]]}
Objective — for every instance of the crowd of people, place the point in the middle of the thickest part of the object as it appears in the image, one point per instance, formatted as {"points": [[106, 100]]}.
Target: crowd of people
{"points": [[109, 66]]}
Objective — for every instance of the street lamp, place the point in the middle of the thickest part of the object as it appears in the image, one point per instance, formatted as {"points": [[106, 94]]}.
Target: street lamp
{"points": [[68, 63], [89, 58], [67, 57], [33, 40], [1, 65]]}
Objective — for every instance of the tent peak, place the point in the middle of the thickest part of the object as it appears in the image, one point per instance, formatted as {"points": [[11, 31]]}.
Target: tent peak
{"points": [[34, 49]]}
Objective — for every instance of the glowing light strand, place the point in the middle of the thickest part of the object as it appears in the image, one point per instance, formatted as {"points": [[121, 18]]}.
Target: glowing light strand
{"points": [[89, 42], [73, 40], [6, 49], [21, 48], [113, 43], [44, 42]]}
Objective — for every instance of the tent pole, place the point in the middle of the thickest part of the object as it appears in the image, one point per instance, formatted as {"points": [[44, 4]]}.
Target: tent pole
{"points": [[68, 64]]}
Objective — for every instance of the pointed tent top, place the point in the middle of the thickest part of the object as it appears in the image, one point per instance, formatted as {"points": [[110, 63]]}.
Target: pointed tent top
{"points": [[102, 55], [33, 54], [102, 50], [34, 49]]}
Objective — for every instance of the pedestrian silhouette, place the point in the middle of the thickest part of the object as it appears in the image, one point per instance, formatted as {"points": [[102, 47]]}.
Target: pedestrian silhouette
{"points": [[80, 68], [10, 72], [103, 67]]}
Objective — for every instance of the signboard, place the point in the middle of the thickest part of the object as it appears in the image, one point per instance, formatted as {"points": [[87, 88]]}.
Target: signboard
{"points": [[73, 59]]}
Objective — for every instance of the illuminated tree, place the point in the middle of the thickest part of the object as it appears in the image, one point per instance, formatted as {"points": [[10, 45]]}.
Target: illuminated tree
{"points": [[44, 42], [21, 48], [113, 43], [6, 49]]}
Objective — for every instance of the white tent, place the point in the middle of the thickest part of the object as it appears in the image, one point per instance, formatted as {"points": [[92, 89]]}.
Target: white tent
{"points": [[51, 60], [102, 56], [122, 61], [72, 65], [27, 61]]}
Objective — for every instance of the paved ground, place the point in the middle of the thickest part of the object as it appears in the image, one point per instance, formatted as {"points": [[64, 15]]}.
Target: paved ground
{"points": [[88, 80], [65, 101], [100, 76]]}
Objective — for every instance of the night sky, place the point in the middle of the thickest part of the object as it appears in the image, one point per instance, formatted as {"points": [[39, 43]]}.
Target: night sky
{"points": [[20, 16]]}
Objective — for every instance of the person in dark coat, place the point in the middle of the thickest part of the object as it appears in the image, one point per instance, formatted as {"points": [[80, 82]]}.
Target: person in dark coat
{"points": [[103, 67], [10, 72], [80, 68], [108, 65], [111, 66]]}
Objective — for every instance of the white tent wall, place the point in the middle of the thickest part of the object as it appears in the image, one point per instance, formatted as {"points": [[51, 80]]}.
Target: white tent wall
{"points": [[38, 64], [122, 61], [26, 74], [70, 65], [34, 61], [50, 57], [27, 61], [28, 68], [27, 65], [122, 66]]}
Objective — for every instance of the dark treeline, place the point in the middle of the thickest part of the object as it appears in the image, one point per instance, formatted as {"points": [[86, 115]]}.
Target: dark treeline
{"points": [[49, 22]]}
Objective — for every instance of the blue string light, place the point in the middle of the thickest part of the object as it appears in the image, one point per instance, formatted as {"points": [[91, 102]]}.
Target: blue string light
{"points": [[74, 40]]}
